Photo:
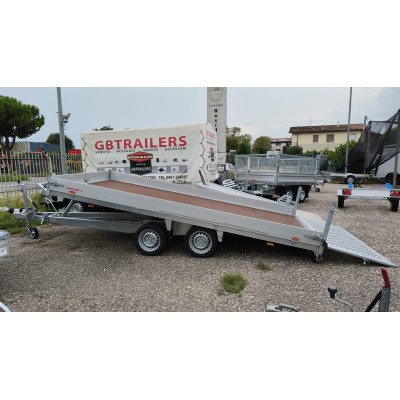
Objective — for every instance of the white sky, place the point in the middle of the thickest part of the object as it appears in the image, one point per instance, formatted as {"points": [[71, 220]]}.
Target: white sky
{"points": [[116, 67]]}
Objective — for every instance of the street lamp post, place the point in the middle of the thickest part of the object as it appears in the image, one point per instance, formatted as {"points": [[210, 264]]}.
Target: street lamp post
{"points": [[62, 119], [348, 136]]}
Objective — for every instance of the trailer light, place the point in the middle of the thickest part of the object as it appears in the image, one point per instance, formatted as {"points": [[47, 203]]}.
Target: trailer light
{"points": [[395, 193], [295, 239], [347, 192]]}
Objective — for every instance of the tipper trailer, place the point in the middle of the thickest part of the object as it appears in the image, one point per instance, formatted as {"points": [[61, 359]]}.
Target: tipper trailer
{"points": [[278, 174], [203, 212]]}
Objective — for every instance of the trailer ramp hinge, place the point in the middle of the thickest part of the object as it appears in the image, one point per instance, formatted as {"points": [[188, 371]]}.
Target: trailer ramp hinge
{"points": [[315, 237]]}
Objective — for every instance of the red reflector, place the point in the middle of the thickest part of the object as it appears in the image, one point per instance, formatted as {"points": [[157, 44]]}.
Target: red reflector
{"points": [[347, 192], [395, 193]]}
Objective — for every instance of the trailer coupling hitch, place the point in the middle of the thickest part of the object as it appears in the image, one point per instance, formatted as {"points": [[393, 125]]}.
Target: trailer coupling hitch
{"points": [[332, 293]]}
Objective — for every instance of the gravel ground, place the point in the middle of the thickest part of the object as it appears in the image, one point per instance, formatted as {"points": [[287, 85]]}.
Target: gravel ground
{"points": [[77, 269]]}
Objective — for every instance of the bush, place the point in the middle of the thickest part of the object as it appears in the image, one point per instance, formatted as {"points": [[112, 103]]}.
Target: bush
{"points": [[263, 266], [233, 283], [13, 177], [8, 222]]}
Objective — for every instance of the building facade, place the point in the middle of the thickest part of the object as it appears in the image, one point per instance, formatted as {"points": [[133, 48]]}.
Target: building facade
{"points": [[277, 144], [322, 137]]}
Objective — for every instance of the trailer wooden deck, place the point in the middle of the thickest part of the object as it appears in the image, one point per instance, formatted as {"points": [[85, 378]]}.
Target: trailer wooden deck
{"points": [[201, 202]]}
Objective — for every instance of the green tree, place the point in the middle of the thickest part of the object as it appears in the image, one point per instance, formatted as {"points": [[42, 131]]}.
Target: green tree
{"points": [[17, 120], [104, 128], [244, 144], [261, 145], [54, 138], [238, 142], [292, 150], [340, 158]]}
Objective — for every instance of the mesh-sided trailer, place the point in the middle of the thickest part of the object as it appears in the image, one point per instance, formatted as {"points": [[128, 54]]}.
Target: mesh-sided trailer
{"points": [[278, 174], [153, 210]]}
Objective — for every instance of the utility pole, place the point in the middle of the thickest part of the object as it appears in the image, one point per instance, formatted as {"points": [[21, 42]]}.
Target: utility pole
{"points": [[396, 160], [61, 120], [348, 135]]}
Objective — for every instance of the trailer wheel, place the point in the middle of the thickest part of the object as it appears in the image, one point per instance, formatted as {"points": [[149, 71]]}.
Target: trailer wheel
{"points": [[340, 201], [78, 207], [394, 204], [350, 179], [150, 239], [33, 233], [389, 178], [201, 242], [303, 195], [290, 192]]}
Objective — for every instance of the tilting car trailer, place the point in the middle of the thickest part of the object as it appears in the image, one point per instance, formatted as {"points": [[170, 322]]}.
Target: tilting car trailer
{"points": [[386, 193], [154, 210]]}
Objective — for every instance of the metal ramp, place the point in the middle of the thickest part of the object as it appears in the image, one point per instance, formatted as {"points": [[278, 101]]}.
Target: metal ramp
{"points": [[342, 241]]}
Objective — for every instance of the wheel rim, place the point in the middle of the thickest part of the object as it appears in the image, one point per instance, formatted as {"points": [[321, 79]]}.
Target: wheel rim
{"points": [[302, 195], [33, 233], [290, 194], [77, 207], [200, 242], [149, 240]]}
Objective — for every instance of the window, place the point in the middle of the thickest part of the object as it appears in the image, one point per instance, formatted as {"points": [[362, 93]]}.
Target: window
{"points": [[315, 138], [352, 136], [330, 138]]}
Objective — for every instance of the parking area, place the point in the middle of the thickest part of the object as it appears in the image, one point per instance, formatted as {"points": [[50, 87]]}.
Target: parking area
{"points": [[78, 269]]}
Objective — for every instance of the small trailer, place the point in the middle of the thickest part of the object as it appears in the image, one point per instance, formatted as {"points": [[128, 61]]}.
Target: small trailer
{"points": [[385, 193], [346, 177], [278, 174], [153, 211]]}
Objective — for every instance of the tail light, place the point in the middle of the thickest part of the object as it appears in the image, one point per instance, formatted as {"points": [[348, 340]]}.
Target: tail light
{"points": [[347, 192], [395, 193]]}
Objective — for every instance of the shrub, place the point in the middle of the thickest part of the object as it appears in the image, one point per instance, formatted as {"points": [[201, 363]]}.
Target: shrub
{"points": [[7, 221], [233, 283], [263, 266]]}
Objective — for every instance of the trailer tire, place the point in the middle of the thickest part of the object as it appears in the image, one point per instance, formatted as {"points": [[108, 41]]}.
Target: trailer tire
{"points": [[78, 206], [303, 195], [340, 201], [33, 233], [389, 178], [394, 204], [150, 239], [290, 192], [201, 242], [350, 179]]}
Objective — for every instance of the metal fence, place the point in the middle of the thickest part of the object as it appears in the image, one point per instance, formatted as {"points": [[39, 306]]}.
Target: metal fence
{"points": [[31, 168]]}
